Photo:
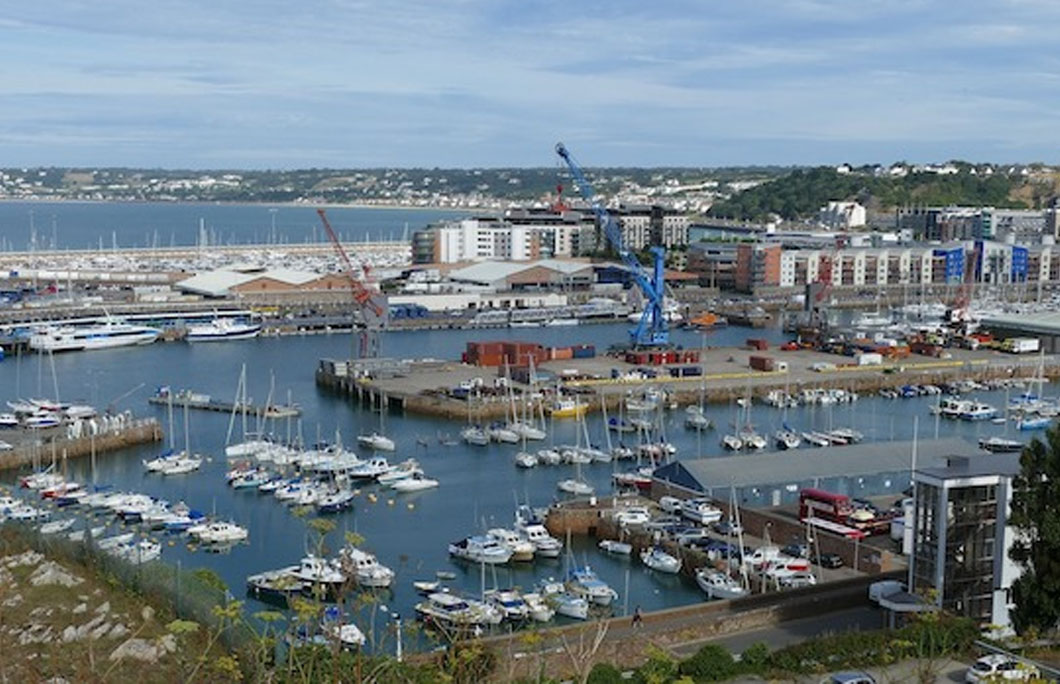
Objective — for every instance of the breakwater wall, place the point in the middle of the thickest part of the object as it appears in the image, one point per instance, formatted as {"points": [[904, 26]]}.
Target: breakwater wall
{"points": [[128, 434]]}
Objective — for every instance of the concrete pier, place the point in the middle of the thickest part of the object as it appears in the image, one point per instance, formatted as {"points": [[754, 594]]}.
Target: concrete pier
{"points": [[58, 445]]}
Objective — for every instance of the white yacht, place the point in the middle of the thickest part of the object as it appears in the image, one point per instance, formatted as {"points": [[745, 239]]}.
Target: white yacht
{"points": [[376, 441], [454, 611], [564, 602], [475, 436], [219, 533], [701, 511], [575, 486], [509, 602], [104, 334], [417, 482], [583, 582], [220, 329], [533, 530], [527, 431]]}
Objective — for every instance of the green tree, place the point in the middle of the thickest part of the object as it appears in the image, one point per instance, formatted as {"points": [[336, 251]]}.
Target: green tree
{"points": [[1036, 520]]}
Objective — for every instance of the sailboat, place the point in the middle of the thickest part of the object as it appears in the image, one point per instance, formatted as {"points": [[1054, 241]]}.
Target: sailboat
{"points": [[473, 434], [695, 415], [252, 444], [576, 485], [377, 441], [717, 584], [523, 427]]}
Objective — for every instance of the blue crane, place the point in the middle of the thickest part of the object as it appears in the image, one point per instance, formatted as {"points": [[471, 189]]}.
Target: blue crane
{"points": [[651, 330]]}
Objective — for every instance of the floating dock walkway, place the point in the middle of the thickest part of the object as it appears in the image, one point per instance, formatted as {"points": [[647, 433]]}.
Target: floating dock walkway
{"points": [[203, 402]]}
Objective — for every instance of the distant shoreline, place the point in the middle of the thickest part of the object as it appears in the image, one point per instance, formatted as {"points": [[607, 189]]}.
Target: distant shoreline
{"points": [[249, 203]]}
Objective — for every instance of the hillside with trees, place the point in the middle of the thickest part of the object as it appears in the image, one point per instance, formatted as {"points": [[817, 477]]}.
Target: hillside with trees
{"points": [[801, 193]]}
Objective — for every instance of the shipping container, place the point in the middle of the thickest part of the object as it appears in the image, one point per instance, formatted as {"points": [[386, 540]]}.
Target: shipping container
{"points": [[870, 359], [562, 353], [584, 351], [762, 363], [924, 348], [758, 344]]}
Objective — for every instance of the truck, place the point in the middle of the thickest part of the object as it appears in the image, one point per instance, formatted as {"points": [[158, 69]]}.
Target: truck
{"points": [[1021, 345]]}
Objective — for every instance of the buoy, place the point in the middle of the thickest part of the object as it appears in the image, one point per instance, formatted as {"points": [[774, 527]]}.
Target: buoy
{"points": [[389, 502], [372, 498], [410, 505], [356, 492]]}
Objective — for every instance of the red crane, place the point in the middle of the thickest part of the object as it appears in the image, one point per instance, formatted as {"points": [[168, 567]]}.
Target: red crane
{"points": [[367, 300]]}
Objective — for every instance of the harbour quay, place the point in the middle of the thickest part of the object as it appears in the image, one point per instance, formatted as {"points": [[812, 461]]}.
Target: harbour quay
{"points": [[39, 447], [723, 374]]}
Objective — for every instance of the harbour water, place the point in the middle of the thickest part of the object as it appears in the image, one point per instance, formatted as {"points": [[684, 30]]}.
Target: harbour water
{"points": [[410, 533], [28, 226]]}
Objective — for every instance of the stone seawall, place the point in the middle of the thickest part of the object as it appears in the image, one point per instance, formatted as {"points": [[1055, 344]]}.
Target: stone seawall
{"points": [[140, 431]]}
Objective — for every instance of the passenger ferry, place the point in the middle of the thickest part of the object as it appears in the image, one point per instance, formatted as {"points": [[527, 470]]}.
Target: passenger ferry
{"points": [[103, 334], [221, 329]]}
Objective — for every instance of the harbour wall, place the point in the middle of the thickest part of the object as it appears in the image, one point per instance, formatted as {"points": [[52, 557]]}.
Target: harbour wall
{"points": [[29, 452]]}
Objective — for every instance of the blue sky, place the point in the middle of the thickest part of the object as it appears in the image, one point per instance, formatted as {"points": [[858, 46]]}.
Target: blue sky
{"points": [[466, 83]]}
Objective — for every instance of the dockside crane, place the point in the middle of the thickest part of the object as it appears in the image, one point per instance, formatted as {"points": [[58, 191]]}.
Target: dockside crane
{"points": [[368, 302], [651, 331]]}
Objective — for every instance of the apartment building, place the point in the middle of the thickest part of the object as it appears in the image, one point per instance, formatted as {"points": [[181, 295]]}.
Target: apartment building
{"points": [[947, 224]]}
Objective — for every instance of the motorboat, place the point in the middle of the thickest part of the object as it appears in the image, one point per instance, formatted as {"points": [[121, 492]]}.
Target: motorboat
{"points": [[454, 611], [818, 439], [977, 410], [1033, 422], [365, 568], [347, 634], [369, 470], [522, 549], [525, 459], [620, 425], [250, 479], [219, 533], [376, 442], [275, 586], [8, 421], [787, 439], [701, 511], [335, 501], [318, 572], [532, 528], [575, 486], [426, 587], [657, 559], [564, 601], [41, 480], [104, 334], [633, 479], [538, 608], [417, 482], [90, 532], [583, 582], [615, 547], [57, 526], [222, 329], [157, 464], [847, 435], [951, 408], [41, 421], [401, 471], [112, 541], [509, 602], [475, 436], [480, 549], [59, 490], [1000, 445]]}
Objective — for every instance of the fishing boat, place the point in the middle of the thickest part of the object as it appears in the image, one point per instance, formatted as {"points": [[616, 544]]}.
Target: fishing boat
{"points": [[455, 611], [365, 568], [222, 329], [563, 601], [615, 547], [522, 549], [480, 549], [583, 582], [509, 603], [657, 559], [565, 407], [102, 334], [415, 483], [1000, 445]]}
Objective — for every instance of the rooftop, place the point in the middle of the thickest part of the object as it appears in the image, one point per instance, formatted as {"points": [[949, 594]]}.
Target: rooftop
{"points": [[801, 465], [973, 465], [1041, 323]]}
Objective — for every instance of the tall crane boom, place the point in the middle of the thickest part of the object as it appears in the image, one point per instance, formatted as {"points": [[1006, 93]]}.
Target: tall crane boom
{"points": [[370, 303], [651, 330]]}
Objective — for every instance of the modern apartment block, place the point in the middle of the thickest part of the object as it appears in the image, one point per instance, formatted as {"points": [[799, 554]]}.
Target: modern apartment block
{"points": [[961, 536], [946, 224], [524, 234]]}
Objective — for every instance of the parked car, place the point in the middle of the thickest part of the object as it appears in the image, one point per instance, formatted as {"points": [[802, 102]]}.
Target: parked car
{"points": [[829, 560], [670, 504], [999, 667], [632, 515], [851, 678], [796, 550]]}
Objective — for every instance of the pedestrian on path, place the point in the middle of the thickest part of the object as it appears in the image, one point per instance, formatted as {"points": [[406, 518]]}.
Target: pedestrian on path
{"points": [[637, 619]]}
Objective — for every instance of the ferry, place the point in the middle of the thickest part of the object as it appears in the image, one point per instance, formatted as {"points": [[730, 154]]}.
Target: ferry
{"points": [[104, 334], [220, 329]]}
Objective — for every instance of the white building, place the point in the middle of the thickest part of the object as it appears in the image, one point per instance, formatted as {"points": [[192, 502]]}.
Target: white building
{"points": [[842, 215]]}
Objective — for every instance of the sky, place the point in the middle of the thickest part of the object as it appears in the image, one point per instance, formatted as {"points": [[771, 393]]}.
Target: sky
{"points": [[283, 84]]}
